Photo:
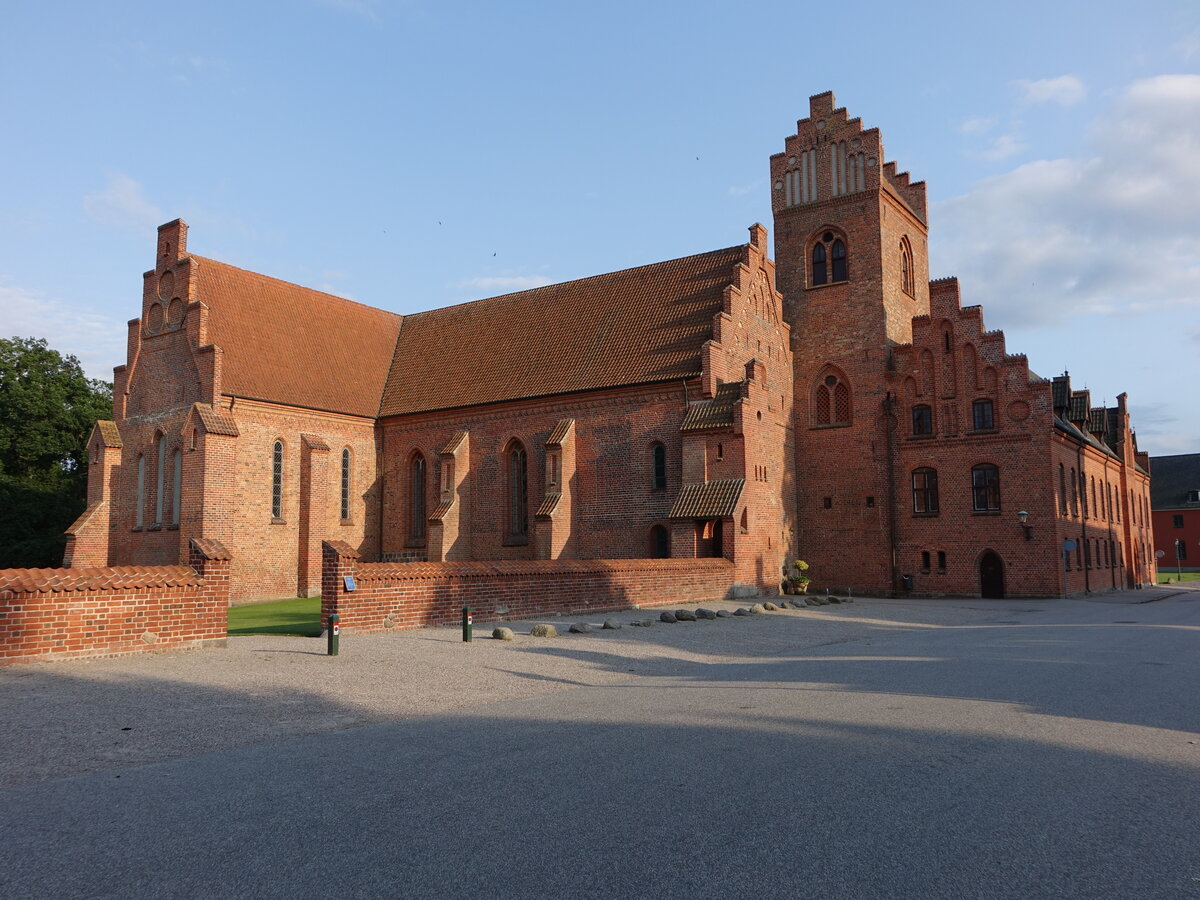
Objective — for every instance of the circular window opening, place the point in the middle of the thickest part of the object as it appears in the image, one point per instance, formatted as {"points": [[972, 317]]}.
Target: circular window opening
{"points": [[827, 236], [830, 380]]}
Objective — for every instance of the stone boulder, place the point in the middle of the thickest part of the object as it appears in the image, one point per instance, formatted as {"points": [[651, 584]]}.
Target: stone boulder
{"points": [[703, 613], [667, 616], [685, 615], [502, 634], [543, 631], [580, 628]]}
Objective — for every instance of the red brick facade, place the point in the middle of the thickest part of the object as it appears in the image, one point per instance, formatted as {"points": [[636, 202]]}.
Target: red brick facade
{"points": [[684, 409], [69, 613]]}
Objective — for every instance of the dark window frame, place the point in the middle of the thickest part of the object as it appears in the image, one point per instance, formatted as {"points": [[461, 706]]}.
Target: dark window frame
{"points": [[922, 420], [985, 488], [925, 498], [983, 415]]}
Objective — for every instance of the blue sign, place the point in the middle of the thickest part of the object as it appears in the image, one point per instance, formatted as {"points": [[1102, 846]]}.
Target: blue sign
{"points": [[1069, 545], [349, 579]]}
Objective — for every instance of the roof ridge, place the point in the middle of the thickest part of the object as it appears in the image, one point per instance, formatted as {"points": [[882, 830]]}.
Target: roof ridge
{"points": [[295, 284], [560, 284]]}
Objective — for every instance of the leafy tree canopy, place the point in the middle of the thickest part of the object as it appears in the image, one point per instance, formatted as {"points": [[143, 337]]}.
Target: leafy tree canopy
{"points": [[47, 410]]}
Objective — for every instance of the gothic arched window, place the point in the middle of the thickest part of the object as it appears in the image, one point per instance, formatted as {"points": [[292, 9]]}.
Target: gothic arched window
{"points": [[829, 259], [345, 484], [416, 497], [907, 277], [818, 264], [277, 480], [831, 401], [517, 493], [837, 253]]}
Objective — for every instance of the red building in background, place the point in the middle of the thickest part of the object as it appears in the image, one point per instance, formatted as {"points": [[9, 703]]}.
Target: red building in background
{"points": [[1175, 497]]}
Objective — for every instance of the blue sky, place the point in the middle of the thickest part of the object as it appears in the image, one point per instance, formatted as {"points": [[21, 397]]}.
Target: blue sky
{"points": [[415, 154]]}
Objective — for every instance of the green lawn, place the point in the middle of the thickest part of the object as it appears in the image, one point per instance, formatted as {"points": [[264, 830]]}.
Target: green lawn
{"points": [[1165, 575], [301, 616]]}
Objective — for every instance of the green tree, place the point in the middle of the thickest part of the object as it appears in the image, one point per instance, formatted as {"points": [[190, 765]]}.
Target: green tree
{"points": [[47, 410]]}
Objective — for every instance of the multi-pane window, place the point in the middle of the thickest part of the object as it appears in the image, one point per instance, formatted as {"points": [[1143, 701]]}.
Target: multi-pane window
{"points": [[985, 488], [1062, 489], [1176, 521], [277, 480], [658, 465], [831, 401], [416, 498], [925, 491], [345, 492], [922, 419], [518, 492], [819, 273], [983, 415], [837, 257]]}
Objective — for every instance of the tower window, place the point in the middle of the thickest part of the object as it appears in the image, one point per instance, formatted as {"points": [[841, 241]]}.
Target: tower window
{"points": [[829, 260], [831, 401], [907, 277]]}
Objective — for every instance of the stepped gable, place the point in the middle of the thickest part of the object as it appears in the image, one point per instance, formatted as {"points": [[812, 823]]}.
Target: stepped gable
{"points": [[292, 345], [635, 326]]}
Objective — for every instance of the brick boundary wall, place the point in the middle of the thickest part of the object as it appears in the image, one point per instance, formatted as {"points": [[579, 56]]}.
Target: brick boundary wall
{"points": [[117, 611], [415, 595]]}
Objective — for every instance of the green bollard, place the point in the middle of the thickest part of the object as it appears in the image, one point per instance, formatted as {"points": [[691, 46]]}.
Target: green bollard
{"points": [[331, 635], [468, 620]]}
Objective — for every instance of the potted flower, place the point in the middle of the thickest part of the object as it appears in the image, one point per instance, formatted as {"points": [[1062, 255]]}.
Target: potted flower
{"points": [[800, 580]]}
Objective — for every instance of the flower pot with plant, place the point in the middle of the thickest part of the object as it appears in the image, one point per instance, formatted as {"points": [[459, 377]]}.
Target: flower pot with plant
{"points": [[800, 580]]}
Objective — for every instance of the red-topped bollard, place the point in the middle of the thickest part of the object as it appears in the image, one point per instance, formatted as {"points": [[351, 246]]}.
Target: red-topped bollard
{"points": [[468, 621], [331, 635]]}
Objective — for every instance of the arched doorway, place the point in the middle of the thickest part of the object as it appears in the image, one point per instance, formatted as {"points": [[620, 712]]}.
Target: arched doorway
{"points": [[991, 575]]}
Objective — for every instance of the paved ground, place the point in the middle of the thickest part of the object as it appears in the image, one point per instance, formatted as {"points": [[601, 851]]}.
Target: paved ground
{"points": [[885, 748]]}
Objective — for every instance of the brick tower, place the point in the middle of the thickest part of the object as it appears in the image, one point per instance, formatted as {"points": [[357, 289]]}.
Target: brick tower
{"points": [[852, 265]]}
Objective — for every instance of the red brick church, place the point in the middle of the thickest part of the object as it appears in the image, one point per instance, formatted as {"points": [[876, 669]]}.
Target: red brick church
{"points": [[832, 405]]}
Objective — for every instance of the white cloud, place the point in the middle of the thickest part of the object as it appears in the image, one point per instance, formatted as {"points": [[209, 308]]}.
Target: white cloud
{"points": [[1188, 47], [745, 189], [122, 204], [1115, 232], [1065, 90], [97, 341], [1003, 147], [506, 282], [978, 125]]}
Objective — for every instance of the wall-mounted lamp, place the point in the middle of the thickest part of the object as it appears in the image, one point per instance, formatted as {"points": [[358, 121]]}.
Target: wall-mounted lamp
{"points": [[1023, 518]]}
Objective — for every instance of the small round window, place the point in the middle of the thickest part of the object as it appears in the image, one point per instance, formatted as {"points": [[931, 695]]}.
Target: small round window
{"points": [[830, 380], [827, 236]]}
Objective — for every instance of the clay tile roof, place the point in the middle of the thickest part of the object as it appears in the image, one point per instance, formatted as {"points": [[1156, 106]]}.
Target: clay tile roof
{"points": [[1079, 407], [708, 500], [559, 434], [714, 413], [217, 421], [439, 511], [455, 442], [549, 503], [314, 441], [95, 579], [636, 326], [210, 548], [109, 433], [341, 548], [290, 344]]}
